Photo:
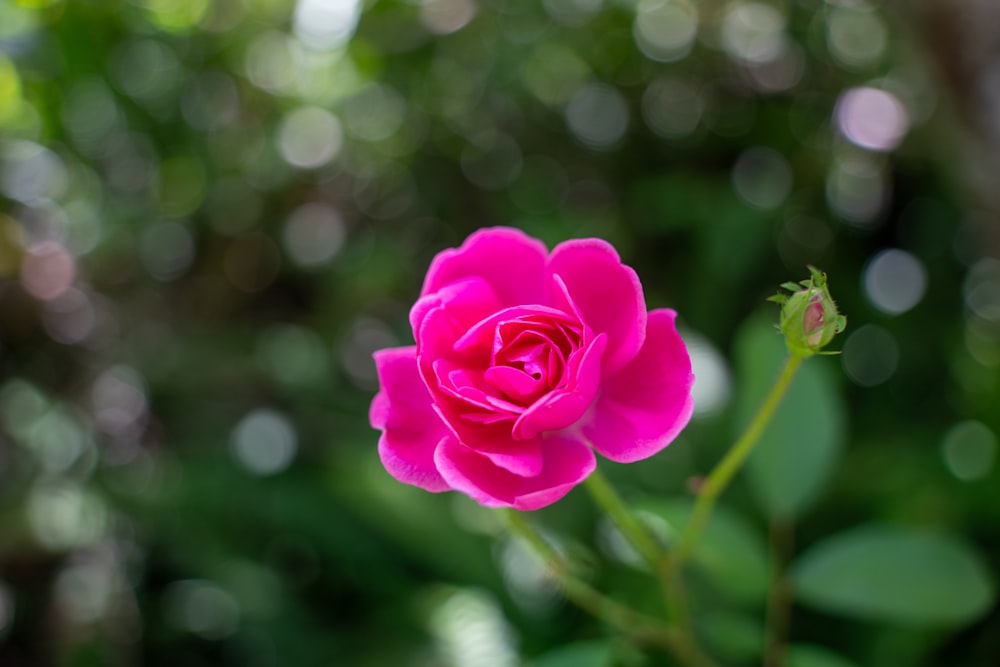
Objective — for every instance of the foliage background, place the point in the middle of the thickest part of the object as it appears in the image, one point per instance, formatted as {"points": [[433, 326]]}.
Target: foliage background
{"points": [[211, 213]]}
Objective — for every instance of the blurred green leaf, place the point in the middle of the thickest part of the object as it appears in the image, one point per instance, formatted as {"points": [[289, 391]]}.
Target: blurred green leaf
{"points": [[807, 655], [801, 446], [893, 574], [595, 653], [730, 552], [732, 635]]}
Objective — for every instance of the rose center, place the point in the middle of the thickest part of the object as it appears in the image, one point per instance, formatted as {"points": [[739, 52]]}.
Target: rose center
{"points": [[529, 356]]}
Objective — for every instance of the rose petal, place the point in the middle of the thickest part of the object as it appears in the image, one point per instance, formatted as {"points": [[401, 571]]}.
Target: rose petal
{"points": [[606, 292], [441, 318], [411, 429], [567, 462], [489, 433], [566, 405], [512, 263], [483, 333], [525, 461], [514, 383], [642, 407]]}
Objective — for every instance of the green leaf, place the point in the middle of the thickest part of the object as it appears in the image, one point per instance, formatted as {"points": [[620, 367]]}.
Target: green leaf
{"points": [[734, 636], [895, 574], [730, 553], [595, 653], [807, 655], [800, 447]]}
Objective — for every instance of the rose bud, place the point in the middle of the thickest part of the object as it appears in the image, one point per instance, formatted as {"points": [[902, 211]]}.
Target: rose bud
{"points": [[809, 316]]}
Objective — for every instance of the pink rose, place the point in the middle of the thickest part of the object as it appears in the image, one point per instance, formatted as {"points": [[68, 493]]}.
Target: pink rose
{"points": [[525, 363]]}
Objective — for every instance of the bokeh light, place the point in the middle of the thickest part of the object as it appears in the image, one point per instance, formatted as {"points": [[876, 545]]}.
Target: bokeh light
{"points": [[309, 137], [47, 270], [713, 384], [597, 115], [969, 450], [314, 234], [527, 577], [70, 317], [672, 108], [202, 608], [762, 177], [118, 396], [665, 30], [858, 190], [753, 32], [446, 16], [325, 24], [31, 173], [870, 356], [872, 118], [856, 35], [85, 591], [471, 631], [264, 442], [982, 290], [573, 12], [293, 354], [895, 281], [167, 250], [65, 516]]}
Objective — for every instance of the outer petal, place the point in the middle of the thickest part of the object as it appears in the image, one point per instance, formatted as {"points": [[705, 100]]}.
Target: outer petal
{"points": [[463, 302], [513, 263], [491, 439], [607, 294], [642, 407], [567, 462], [411, 429]]}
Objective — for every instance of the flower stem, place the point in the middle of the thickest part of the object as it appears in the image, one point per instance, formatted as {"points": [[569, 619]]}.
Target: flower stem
{"points": [[631, 528], [730, 464], [641, 628], [683, 644], [782, 537]]}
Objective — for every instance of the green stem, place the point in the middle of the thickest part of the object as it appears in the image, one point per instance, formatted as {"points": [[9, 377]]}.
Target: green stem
{"points": [[684, 645], [640, 627], [730, 464], [631, 528], [782, 536], [687, 647]]}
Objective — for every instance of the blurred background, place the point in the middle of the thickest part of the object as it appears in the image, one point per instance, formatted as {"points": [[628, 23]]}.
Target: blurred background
{"points": [[212, 212]]}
